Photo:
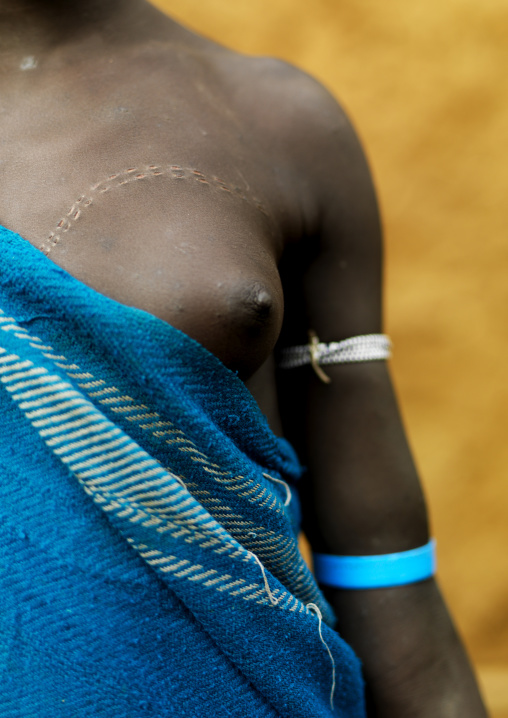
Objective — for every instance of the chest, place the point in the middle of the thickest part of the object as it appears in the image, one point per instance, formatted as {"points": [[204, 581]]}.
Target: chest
{"points": [[196, 248]]}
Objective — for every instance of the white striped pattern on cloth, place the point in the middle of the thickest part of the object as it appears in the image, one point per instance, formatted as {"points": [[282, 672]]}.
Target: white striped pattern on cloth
{"points": [[87, 441], [122, 478], [365, 347]]}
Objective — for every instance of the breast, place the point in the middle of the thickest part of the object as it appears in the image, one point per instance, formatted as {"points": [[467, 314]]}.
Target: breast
{"points": [[198, 257], [237, 319], [220, 285]]}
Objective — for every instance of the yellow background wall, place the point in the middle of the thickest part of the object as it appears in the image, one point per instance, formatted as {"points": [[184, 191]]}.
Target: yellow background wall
{"points": [[426, 85]]}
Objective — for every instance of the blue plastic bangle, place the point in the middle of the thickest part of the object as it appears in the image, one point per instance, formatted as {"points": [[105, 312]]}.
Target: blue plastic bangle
{"points": [[390, 569]]}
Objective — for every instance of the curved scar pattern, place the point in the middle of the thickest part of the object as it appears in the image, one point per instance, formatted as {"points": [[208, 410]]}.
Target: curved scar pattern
{"points": [[134, 174]]}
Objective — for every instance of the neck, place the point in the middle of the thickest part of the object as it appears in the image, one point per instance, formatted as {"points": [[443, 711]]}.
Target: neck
{"points": [[30, 28]]}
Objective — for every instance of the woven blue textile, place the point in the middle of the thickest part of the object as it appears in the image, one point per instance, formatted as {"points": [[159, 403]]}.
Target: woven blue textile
{"points": [[148, 523]]}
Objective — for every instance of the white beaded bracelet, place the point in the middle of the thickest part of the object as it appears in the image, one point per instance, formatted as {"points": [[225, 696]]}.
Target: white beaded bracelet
{"points": [[366, 347]]}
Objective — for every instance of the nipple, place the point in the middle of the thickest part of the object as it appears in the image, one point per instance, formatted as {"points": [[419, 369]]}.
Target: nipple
{"points": [[259, 303]]}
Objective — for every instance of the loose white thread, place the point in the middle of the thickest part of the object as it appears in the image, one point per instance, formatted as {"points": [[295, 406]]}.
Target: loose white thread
{"points": [[280, 481], [313, 607], [274, 601]]}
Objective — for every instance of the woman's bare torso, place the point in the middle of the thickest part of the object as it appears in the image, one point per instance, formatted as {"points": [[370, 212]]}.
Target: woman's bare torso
{"points": [[152, 173], [172, 175]]}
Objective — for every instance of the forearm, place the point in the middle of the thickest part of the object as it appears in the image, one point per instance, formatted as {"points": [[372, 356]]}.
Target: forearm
{"points": [[363, 496], [414, 663]]}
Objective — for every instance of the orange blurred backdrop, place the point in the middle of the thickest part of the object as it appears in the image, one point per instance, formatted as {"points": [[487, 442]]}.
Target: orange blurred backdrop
{"points": [[426, 84]]}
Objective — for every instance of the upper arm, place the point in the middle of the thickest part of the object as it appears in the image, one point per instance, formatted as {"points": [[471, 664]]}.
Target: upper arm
{"points": [[364, 490], [333, 275]]}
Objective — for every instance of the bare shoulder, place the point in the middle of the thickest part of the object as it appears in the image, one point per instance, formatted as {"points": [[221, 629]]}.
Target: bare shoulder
{"points": [[291, 115], [301, 124], [284, 96]]}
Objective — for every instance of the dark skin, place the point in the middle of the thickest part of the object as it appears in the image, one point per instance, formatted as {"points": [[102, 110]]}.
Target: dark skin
{"points": [[238, 207]]}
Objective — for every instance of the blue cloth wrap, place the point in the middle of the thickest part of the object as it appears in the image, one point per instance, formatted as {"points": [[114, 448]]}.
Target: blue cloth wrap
{"points": [[135, 490]]}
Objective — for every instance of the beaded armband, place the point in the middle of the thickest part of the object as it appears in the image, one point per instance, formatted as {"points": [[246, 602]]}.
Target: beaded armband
{"points": [[366, 347]]}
